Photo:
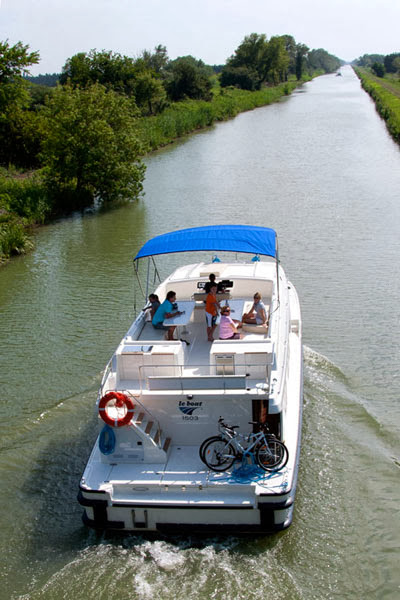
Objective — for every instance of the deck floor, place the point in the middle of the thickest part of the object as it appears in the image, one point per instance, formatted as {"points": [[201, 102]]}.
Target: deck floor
{"points": [[184, 474]]}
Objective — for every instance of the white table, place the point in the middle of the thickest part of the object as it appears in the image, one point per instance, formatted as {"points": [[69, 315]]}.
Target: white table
{"points": [[237, 307], [186, 307]]}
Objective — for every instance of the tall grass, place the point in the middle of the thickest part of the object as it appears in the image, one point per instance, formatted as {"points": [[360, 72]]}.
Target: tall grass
{"points": [[184, 117], [23, 203], [386, 102]]}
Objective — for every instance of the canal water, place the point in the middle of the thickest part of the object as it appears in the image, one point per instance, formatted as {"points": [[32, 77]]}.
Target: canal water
{"points": [[321, 169]]}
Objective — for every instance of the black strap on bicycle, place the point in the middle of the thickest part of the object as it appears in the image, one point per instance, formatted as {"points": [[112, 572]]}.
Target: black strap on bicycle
{"points": [[261, 426]]}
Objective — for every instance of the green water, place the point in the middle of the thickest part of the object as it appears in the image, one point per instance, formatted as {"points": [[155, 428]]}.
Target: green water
{"points": [[318, 167]]}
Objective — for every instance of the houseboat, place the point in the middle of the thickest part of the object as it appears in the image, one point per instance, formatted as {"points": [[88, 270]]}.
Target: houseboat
{"points": [[164, 390]]}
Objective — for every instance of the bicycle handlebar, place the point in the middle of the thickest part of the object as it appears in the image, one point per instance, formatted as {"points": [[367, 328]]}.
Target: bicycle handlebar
{"points": [[231, 427], [262, 426]]}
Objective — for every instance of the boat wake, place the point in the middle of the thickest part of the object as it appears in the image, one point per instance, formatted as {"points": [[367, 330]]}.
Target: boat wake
{"points": [[328, 392], [140, 569]]}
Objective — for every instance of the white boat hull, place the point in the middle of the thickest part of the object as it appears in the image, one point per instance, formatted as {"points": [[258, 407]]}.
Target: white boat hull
{"points": [[154, 480]]}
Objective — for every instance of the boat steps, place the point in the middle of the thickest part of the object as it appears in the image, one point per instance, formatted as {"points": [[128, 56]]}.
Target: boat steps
{"points": [[150, 432]]}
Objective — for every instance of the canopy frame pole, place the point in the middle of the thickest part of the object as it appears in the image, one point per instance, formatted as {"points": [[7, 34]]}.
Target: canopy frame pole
{"points": [[136, 270], [277, 273], [277, 267], [156, 273], [147, 277]]}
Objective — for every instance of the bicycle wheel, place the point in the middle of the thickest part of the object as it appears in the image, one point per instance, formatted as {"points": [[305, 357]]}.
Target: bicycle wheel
{"points": [[219, 455], [273, 455], [204, 444]]}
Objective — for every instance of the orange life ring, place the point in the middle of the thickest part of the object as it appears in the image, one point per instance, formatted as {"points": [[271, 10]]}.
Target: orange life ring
{"points": [[120, 400]]}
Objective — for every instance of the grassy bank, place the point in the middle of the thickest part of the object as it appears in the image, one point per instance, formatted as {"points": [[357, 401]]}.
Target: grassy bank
{"points": [[23, 199], [184, 117], [386, 95]]}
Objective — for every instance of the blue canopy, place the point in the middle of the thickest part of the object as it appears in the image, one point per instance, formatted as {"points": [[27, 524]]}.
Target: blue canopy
{"points": [[250, 239]]}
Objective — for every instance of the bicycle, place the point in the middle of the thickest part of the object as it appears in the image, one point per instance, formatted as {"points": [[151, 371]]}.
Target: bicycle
{"points": [[220, 452], [222, 427]]}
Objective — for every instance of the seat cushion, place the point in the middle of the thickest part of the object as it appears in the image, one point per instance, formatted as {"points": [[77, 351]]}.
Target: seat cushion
{"points": [[254, 328]]}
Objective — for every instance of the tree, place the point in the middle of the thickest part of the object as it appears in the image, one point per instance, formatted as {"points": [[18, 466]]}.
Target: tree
{"points": [[49, 79], [378, 69], [368, 59], [111, 69], [241, 77], [150, 94], [15, 145], [257, 61], [156, 61], [276, 60], [396, 65], [91, 148], [389, 62], [301, 53], [188, 78], [321, 60], [251, 54], [291, 49], [124, 75], [15, 61]]}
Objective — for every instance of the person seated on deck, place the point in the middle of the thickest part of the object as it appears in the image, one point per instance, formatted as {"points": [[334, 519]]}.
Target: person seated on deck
{"points": [[166, 311], [212, 306], [257, 315], [209, 284], [227, 328], [152, 307]]}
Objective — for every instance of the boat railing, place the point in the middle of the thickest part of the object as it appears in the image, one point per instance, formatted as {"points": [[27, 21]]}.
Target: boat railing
{"points": [[224, 376], [107, 380], [225, 373]]}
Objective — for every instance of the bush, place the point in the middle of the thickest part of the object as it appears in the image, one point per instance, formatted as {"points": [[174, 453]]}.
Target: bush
{"points": [[13, 239]]}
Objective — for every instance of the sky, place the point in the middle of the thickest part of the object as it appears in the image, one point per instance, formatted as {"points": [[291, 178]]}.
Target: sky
{"points": [[210, 30]]}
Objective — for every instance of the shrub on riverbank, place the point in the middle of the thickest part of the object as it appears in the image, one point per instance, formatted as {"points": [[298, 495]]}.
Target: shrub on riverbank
{"points": [[387, 103]]}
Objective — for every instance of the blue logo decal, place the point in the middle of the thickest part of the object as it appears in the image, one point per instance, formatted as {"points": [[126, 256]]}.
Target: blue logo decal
{"points": [[188, 407], [188, 410]]}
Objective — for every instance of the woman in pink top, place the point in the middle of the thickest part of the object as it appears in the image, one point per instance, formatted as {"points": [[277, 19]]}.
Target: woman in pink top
{"points": [[227, 328]]}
